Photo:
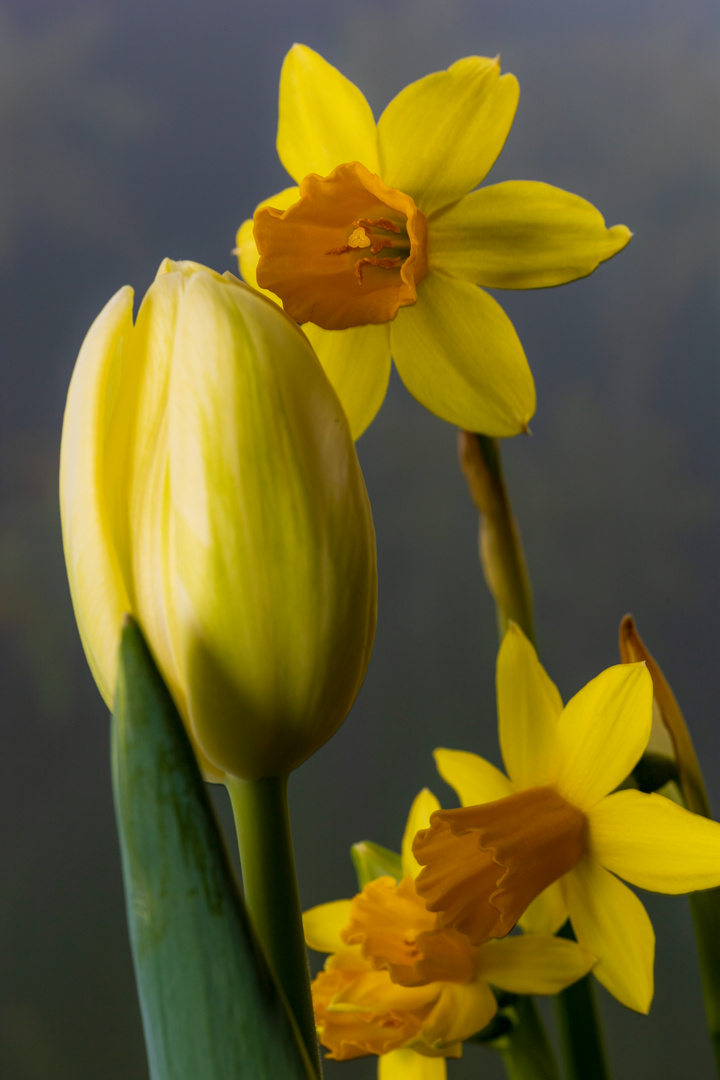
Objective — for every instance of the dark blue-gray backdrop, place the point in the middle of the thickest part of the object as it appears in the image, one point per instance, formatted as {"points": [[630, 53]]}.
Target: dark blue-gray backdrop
{"points": [[135, 129]]}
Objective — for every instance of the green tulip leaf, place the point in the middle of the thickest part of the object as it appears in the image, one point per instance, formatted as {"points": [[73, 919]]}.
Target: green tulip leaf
{"points": [[210, 1006]]}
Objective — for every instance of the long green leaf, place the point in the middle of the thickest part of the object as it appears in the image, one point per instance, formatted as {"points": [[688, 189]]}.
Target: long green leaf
{"points": [[211, 1009]]}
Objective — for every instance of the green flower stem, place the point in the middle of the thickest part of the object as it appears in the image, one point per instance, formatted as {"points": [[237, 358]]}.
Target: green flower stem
{"points": [[526, 1051], [262, 822], [580, 1027], [705, 910], [501, 551]]}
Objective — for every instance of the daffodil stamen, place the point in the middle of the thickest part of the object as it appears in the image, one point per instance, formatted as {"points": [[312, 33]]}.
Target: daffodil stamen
{"points": [[485, 864], [385, 264]]}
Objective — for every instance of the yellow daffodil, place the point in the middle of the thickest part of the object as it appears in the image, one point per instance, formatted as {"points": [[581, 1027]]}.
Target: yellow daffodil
{"points": [[381, 247], [550, 841], [400, 985], [209, 485]]}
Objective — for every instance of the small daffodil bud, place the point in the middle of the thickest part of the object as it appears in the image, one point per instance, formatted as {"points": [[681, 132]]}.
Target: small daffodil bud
{"points": [[209, 486]]}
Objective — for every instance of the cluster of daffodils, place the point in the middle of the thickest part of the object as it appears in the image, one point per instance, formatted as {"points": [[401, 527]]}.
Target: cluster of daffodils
{"points": [[399, 982], [413, 960]]}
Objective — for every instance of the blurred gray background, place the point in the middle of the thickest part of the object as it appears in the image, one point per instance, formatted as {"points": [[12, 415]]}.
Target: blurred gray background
{"points": [[132, 130]]}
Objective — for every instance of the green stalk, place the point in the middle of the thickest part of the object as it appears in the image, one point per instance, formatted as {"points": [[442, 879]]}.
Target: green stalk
{"points": [[526, 1050], [262, 822], [501, 551], [705, 910], [505, 570]]}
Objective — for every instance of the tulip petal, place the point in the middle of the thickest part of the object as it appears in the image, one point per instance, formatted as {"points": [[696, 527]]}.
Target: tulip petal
{"points": [[654, 843], [424, 804], [533, 964], [98, 582], [461, 1010], [609, 920], [522, 235], [457, 352], [441, 135], [407, 1065], [324, 119], [529, 705], [246, 248], [602, 732], [322, 925], [547, 912], [357, 363], [473, 779]]}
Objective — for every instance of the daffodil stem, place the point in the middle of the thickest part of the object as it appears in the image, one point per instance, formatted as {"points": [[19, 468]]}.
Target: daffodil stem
{"points": [[580, 1028], [262, 822], [526, 1050], [501, 551], [705, 910]]}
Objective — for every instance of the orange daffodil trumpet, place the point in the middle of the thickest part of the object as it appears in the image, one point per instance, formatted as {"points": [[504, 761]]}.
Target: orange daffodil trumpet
{"points": [[400, 985], [552, 839], [381, 248], [209, 485]]}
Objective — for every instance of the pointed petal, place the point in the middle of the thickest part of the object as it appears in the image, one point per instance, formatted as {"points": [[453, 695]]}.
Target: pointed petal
{"points": [[461, 1010], [441, 135], [609, 920], [654, 843], [357, 363], [522, 235], [322, 925], [458, 354], [602, 732], [407, 1065], [246, 248], [98, 583], [533, 964], [424, 804], [547, 912], [324, 118], [472, 778], [529, 705]]}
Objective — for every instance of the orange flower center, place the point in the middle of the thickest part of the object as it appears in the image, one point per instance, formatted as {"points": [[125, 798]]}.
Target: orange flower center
{"points": [[483, 865], [350, 251]]}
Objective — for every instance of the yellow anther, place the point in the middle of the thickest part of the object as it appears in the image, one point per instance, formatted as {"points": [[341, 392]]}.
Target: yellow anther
{"points": [[358, 238]]}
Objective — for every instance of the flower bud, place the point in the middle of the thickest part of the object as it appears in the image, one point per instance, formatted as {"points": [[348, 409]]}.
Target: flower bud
{"points": [[209, 486]]}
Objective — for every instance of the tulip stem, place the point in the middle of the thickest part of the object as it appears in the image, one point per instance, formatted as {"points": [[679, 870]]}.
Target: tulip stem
{"points": [[262, 822], [501, 551]]}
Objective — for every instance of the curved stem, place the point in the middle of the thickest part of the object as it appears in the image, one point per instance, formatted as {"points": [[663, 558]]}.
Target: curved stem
{"points": [[262, 822], [501, 551]]}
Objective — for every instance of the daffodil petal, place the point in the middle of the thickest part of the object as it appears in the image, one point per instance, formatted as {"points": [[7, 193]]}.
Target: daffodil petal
{"points": [[529, 705], [472, 778], [357, 363], [97, 582], [441, 135], [246, 248], [602, 733], [522, 235], [609, 920], [547, 913], [324, 119], [375, 992], [460, 1011], [424, 804], [533, 963], [458, 354], [322, 925], [408, 1065], [654, 843]]}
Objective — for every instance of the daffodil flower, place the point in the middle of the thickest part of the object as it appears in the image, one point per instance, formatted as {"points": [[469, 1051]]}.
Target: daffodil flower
{"points": [[381, 248], [409, 990], [550, 841]]}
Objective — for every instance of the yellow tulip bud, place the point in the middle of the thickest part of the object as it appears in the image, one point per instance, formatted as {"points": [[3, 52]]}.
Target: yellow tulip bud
{"points": [[209, 486]]}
